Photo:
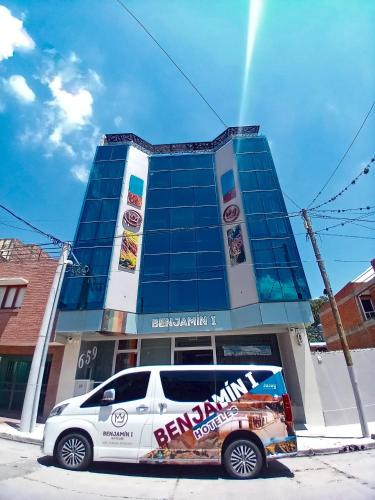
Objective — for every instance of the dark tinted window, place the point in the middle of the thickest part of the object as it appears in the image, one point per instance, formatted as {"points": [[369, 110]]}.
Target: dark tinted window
{"points": [[130, 387], [184, 386], [198, 386]]}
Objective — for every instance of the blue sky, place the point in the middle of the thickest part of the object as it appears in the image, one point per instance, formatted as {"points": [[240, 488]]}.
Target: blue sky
{"points": [[71, 71]]}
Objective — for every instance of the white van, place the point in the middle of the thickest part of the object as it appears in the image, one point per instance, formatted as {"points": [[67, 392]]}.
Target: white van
{"points": [[237, 415]]}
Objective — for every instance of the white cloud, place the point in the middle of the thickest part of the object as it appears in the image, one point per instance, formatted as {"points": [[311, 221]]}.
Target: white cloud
{"points": [[13, 36], [18, 86], [65, 122], [117, 120], [80, 172], [74, 107]]}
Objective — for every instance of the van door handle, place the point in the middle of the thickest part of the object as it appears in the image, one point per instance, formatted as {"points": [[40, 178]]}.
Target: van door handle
{"points": [[142, 409], [162, 407]]}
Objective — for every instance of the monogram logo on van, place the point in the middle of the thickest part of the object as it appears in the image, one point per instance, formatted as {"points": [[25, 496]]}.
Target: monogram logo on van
{"points": [[119, 417]]}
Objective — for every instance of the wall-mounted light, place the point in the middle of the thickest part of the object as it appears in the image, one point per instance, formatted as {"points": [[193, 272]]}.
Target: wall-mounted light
{"points": [[299, 337]]}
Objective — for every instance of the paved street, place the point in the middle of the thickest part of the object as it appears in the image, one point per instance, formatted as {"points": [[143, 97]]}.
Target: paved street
{"points": [[26, 474]]}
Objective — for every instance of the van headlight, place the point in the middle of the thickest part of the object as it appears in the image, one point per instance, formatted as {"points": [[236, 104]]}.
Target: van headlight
{"points": [[57, 410]]}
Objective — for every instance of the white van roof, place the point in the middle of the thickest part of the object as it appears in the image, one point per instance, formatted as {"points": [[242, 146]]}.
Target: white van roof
{"points": [[273, 369]]}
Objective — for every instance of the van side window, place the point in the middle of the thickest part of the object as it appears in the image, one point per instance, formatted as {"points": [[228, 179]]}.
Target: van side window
{"points": [[188, 386], [227, 377], [129, 387]]}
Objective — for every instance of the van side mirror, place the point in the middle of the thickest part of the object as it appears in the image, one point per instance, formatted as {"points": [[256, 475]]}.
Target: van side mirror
{"points": [[109, 396]]}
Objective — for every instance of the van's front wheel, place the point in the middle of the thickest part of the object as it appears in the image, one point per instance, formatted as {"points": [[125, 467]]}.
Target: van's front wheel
{"points": [[243, 459], [74, 452]]}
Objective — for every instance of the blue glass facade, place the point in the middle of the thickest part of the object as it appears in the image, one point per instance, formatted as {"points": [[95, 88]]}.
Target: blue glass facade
{"points": [[277, 265], [183, 263], [96, 230]]}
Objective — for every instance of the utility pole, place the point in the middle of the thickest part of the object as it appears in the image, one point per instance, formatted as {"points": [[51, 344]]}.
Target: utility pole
{"points": [[339, 327], [34, 383]]}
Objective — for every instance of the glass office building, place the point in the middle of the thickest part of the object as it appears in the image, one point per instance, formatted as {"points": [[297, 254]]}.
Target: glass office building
{"points": [[189, 257]]}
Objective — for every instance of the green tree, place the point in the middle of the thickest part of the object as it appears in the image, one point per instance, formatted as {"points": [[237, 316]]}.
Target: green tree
{"points": [[313, 330]]}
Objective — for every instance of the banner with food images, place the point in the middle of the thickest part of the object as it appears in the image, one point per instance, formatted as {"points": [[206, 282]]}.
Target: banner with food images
{"points": [[129, 250], [235, 244], [135, 192]]}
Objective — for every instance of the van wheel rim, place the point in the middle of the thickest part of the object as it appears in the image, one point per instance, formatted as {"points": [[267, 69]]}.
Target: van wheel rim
{"points": [[243, 460], [73, 452]]}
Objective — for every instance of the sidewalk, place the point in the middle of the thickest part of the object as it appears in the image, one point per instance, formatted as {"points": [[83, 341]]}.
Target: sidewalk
{"points": [[311, 441], [333, 439]]}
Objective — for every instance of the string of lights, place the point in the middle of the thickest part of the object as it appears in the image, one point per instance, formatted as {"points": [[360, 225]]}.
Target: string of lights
{"points": [[339, 210], [365, 171], [343, 223], [329, 217], [344, 155]]}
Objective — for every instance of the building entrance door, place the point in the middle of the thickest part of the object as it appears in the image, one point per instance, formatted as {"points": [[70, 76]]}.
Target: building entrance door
{"points": [[14, 374], [155, 352]]}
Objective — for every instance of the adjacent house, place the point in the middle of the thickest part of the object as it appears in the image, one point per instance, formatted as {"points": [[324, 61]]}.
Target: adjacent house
{"points": [[26, 275], [356, 306]]}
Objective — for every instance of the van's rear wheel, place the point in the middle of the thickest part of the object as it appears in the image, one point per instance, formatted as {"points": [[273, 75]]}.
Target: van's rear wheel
{"points": [[243, 459], [74, 452]]}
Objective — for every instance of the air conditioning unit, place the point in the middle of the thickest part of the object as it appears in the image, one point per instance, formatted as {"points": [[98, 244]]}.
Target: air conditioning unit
{"points": [[81, 386]]}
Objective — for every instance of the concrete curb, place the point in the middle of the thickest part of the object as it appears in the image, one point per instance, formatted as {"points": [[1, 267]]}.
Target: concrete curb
{"points": [[20, 439], [336, 450]]}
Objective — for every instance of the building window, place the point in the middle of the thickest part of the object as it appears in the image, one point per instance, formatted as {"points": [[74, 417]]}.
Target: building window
{"points": [[11, 297], [183, 262], [127, 353], [193, 351], [367, 307]]}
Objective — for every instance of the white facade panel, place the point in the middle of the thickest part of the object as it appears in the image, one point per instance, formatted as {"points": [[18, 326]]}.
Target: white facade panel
{"points": [[122, 287], [240, 273]]}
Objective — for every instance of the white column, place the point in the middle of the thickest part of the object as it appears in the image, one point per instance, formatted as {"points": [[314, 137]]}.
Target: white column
{"points": [[68, 370], [300, 377]]}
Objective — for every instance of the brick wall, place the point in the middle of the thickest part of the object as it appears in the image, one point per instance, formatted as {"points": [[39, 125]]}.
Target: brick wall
{"points": [[19, 328], [22, 325], [360, 332]]}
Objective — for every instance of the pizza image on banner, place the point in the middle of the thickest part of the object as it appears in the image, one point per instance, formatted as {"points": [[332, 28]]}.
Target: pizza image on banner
{"points": [[235, 244], [135, 192], [128, 252]]}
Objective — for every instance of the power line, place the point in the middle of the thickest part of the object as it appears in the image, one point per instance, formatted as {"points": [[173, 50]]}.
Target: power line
{"points": [[55, 241], [340, 235], [176, 276], [329, 217], [291, 199], [346, 209], [350, 221], [365, 171], [344, 155], [146, 30]]}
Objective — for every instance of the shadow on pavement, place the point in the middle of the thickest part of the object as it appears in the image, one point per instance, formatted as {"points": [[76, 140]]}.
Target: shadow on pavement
{"points": [[275, 469]]}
